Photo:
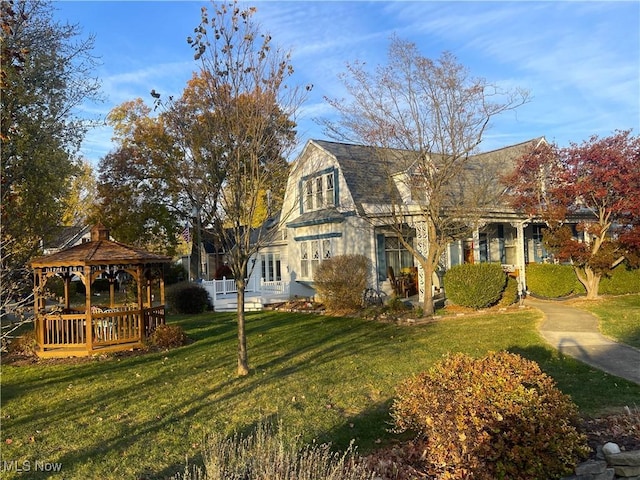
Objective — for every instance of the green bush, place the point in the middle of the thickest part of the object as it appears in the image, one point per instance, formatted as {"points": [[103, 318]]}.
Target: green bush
{"points": [[475, 285], [187, 297], [269, 455], [552, 280], [510, 293], [495, 417], [340, 282], [622, 281], [167, 336]]}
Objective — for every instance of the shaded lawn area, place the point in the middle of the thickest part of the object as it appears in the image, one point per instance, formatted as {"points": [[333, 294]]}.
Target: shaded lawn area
{"points": [[619, 316], [330, 379]]}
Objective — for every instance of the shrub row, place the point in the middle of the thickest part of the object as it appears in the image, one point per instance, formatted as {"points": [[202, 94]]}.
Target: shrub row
{"points": [[555, 281]]}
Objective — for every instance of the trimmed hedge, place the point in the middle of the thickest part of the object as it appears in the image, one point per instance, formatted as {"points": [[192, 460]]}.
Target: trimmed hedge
{"points": [[495, 417], [475, 285], [552, 280], [621, 282], [510, 293]]}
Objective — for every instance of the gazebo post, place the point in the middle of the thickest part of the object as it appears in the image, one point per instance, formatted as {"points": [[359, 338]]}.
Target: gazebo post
{"points": [[88, 312], [37, 302], [67, 285], [112, 290], [161, 287], [148, 282], [143, 320]]}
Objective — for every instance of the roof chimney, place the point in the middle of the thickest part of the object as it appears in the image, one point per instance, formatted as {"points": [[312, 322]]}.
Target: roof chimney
{"points": [[99, 232]]}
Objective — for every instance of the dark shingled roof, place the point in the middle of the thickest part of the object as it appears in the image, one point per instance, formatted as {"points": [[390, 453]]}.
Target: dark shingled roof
{"points": [[366, 169]]}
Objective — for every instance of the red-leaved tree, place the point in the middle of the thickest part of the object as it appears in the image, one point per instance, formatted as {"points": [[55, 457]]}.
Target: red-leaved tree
{"points": [[597, 184]]}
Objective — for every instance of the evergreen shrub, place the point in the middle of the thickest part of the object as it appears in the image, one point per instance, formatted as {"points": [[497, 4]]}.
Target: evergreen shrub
{"points": [[622, 281], [476, 285], [498, 416], [552, 280], [187, 297], [340, 282], [510, 293]]}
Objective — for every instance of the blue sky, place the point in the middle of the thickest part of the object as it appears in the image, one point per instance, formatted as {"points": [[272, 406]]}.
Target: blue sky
{"points": [[579, 60]]}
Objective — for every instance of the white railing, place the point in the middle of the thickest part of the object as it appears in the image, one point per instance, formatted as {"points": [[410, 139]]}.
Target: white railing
{"points": [[217, 289]]}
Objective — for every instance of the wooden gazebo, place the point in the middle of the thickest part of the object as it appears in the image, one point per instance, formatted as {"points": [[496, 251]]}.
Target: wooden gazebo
{"points": [[98, 327]]}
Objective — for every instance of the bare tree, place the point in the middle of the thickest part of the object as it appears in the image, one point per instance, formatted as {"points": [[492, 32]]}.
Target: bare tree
{"points": [[245, 83], [426, 118]]}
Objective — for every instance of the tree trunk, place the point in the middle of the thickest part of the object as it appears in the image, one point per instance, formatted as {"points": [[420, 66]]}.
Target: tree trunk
{"points": [[590, 280], [428, 308], [243, 361]]}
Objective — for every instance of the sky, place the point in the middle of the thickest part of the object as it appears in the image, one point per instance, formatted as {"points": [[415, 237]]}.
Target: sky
{"points": [[580, 61]]}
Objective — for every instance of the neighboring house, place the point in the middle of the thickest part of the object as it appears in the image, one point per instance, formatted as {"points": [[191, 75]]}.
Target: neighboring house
{"points": [[332, 206], [67, 237]]}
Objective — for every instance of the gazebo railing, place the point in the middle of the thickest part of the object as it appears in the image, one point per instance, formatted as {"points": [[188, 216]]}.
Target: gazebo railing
{"points": [[153, 317], [55, 330], [109, 327], [117, 325]]}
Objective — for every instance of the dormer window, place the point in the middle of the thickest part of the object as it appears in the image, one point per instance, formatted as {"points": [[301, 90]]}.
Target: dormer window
{"points": [[318, 191]]}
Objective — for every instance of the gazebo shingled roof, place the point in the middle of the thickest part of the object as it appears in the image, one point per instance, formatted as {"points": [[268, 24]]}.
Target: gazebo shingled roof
{"points": [[99, 251]]}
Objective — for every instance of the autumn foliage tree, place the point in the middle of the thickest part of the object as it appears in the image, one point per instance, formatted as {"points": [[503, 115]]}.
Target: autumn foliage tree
{"points": [[598, 184]]}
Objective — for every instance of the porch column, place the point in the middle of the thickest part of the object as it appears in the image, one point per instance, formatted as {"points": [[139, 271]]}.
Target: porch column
{"points": [[476, 245], [422, 244], [520, 253]]}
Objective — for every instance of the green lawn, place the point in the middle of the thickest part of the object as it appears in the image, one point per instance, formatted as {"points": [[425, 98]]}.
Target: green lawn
{"points": [[140, 417], [619, 317]]}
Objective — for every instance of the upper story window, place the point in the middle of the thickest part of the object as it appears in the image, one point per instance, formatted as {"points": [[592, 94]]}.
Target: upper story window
{"points": [[318, 191]]}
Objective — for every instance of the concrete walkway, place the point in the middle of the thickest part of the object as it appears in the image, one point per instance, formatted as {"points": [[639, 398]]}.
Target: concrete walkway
{"points": [[575, 332]]}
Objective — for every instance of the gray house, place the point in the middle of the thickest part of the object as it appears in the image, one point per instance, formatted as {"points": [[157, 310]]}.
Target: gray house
{"points": [[338, 200]]}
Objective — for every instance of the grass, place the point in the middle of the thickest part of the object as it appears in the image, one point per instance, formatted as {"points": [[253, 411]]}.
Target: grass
{"points": [[330, 379], [619, 317]]}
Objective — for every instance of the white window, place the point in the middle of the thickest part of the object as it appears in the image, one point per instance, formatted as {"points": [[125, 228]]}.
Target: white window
{"points": [[319, 192], [271, 269], [313, 252]]}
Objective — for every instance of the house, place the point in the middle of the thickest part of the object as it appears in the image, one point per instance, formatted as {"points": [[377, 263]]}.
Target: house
{"points": [[338, 200], [68, 236]]}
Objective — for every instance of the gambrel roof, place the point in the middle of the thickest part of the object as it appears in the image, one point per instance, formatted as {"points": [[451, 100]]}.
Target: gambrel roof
{"points": [[367, 170]]}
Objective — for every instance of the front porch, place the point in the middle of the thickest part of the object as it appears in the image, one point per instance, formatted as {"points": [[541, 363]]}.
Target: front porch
{"points": [[258, 293]]}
